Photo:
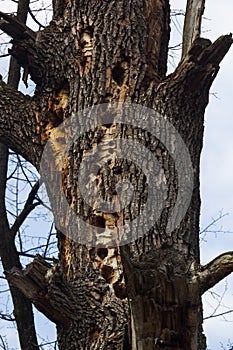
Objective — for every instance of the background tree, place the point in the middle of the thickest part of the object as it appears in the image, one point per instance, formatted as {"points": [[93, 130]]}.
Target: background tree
{"points": [[114, 52], [18, 178], [22, 306]]}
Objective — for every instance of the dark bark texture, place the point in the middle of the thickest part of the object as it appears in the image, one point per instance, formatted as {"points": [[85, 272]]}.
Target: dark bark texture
{"points": [[146, 295]]}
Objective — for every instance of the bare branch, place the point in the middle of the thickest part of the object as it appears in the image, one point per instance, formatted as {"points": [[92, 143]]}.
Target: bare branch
{"points": [[28, 207], [3, 345], [25, 48], [14, 28], [6, 317], [215, 271], [218, 315], [22, 307], [35, 19], [192, 24], [212, 223], [47, 243], [34, 256]]}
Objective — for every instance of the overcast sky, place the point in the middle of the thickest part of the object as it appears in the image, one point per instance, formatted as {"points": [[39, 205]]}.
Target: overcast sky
{"points": [[216, 167]]}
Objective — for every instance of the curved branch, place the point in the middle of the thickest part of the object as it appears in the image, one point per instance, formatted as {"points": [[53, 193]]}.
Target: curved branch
{"points": [[192, 24], [18, 124], [35, 19], [215, 271]]}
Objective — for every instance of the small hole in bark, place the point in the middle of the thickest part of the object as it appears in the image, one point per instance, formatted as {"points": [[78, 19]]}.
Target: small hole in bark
{"points": [[120, 290], [107, 272], [108, 126], [118, 74], [117, 169], [102, 252], [98, 221]]}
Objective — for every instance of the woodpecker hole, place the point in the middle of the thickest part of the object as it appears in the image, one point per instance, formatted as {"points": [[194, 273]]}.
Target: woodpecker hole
{"points": [[118, 74]]}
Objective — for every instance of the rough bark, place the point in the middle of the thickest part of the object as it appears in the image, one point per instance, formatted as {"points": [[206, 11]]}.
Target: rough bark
{"points": [[18, 129], [214, 271], [146, 295]]}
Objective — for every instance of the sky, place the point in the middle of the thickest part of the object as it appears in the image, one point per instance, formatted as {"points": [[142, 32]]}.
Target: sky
{"points": [[216, 174]]}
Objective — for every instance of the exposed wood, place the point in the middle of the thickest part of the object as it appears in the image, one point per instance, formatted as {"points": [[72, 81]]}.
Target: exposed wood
{"points": [[151, 291], [157, 14], [192, 23]]}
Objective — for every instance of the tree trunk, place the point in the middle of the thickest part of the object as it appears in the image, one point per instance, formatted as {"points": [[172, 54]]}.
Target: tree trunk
{"points": [[146, 294]]}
